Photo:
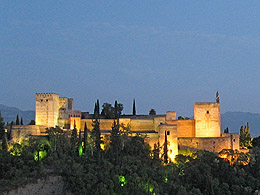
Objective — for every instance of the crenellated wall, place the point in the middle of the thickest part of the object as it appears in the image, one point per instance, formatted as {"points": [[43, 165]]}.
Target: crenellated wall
{"points": [[201, 133], [47, 109]]}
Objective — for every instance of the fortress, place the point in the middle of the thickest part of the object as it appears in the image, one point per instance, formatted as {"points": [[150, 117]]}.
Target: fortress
{"points": [[202, 132]]}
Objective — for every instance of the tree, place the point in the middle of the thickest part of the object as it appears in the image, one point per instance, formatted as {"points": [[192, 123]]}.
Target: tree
{"points": [[2, 131], [226, 130], [74, 138], [54, 134], [80, 148], [134, 109], [115, 141], [21, 121], [4, 142], [156, 152], [109, 111], [152, 112], [165, 149], [32, 122], [85, 139], [95, 134], [17, 120], [245, 138]]}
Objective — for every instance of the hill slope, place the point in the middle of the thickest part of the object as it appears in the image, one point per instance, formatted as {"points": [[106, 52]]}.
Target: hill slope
{"points": [[10, 113], [234, 120]]}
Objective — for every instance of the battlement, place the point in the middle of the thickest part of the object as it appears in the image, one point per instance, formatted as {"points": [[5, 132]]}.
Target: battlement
{"points": [[45, 94], [46, 109], [206, 103]]}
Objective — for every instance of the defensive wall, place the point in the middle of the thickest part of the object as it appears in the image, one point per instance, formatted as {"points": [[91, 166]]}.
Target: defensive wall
{"points": [[20, 132], [202, 132], [212, 144]]}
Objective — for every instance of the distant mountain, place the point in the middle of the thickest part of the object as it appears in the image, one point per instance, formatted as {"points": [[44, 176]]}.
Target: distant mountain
{"points": [[234, 120], [10, 113]]}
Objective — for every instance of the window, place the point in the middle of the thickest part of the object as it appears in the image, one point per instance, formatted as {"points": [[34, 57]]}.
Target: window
{"points": [[207, 112], [168, 132]]}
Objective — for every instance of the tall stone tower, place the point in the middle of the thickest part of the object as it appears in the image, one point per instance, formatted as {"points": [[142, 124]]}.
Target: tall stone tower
{"points": [[47, 109], [207, 119]]}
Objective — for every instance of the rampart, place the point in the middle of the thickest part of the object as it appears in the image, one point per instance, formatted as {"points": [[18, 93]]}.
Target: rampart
{"points": [[212, 144], [20, 132]]}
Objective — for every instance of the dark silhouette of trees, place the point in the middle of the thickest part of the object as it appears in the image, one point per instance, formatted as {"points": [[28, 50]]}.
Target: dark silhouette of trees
{"points": [[2, 131], [165, 148], [95, 133], [245, 138], [134, 108], [152, 112], [32, 122], [85, 139], [108, 111], [17, 120]]}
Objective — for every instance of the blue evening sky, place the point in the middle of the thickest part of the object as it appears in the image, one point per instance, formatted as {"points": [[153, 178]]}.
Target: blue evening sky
{"points": [[166, 54]]}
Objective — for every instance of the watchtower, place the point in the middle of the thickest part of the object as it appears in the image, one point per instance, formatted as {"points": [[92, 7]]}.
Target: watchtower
{"points": [[207, 119], [46, 109]]}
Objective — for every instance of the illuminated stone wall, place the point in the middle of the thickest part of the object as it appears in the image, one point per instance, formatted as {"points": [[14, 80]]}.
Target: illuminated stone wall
{"points": [[47, 109], [142, 124], [234, 140], [63, 108], [135, 124], [212, 144], [186, 128], [20, 132], [75, 122], [171, 133], [207, 119]]}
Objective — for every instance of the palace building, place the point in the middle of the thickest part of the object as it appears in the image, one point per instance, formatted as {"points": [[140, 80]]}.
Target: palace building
{"points": [[201, 133]]}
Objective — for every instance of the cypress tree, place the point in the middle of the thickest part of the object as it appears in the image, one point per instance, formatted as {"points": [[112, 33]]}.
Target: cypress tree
{"points": [[85, 138], [4, 142], [21, 121], [95, 134], [98, 107], [2, 131], [134, 109], [115, 136], [165, 149], [74, 138], [80, 144], [17, 120]]}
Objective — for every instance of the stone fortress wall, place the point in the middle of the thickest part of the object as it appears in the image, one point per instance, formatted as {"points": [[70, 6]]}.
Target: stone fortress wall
{"points": [[202, 132]]}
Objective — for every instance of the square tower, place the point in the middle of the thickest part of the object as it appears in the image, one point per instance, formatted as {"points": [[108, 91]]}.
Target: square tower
{"points": [[46, 109], [207, 119]]}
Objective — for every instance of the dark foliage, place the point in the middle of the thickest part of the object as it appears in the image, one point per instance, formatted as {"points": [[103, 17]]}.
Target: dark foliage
{"points": [[137, 170]]}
